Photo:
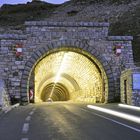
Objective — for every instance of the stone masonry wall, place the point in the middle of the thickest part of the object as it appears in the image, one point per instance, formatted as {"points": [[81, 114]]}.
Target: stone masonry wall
{"points": [[4, 96], [136, 92], [126, 76], [40, 33], [133, 95], [11, 68], [136, 98]]}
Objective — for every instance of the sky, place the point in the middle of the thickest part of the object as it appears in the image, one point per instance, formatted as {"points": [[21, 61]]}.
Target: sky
{"points": [[24, 1]]}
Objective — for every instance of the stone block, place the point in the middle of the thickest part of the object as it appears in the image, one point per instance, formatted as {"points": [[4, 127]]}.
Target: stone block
{"points": [[42, 50], [121, 38], [26, 72], [29, 64], [35, 56], [21, 67], [15, 84]]}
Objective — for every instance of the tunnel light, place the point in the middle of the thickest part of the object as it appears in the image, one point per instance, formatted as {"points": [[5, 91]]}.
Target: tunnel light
{"points": [[60, 71], [52, 91], [49, 100], [62, 67], [116, 113]]}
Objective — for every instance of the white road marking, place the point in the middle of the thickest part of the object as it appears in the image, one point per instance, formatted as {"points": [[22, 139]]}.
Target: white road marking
{"points": [[25, 128], [28, 118], [112, 120], [129, 107], [31, 113], [24, 139], [116, 113]]}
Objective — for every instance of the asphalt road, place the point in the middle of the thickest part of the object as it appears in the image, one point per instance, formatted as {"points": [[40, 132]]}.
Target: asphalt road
{"points": [[66, 121]]}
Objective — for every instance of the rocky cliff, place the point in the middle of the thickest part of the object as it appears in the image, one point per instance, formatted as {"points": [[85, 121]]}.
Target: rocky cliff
{"points": [[123, 16]]}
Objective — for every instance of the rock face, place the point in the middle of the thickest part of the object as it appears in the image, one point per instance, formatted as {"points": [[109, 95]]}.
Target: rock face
{"points": [[4, 97], [123, 15]]}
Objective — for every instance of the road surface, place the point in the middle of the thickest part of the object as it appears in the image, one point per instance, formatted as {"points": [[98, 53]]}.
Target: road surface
{"points": [[66, 121]]}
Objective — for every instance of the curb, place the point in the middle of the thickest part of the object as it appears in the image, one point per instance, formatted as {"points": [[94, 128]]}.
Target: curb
{"points": [[9, 108]]}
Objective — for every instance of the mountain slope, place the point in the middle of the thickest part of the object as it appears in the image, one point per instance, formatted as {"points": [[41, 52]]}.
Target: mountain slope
{"points": [[123, 15], [11, 15]]}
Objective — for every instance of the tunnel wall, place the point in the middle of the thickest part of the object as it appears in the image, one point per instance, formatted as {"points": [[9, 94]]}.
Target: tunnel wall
{"points": [[39, 37]]}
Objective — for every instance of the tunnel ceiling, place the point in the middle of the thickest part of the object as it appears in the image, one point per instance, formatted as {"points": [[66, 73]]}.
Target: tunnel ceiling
{"points": [[67, 75]]}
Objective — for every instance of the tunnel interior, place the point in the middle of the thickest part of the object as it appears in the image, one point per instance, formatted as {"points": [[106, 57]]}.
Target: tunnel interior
{"points": [[69, 75], [55, 92]]}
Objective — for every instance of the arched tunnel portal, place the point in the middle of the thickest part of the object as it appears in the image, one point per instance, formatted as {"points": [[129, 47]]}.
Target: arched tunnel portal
{"points": [[69, 75], [56, 92]]}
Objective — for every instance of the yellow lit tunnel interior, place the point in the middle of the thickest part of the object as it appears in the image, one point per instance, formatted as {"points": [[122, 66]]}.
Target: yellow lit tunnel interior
{"points": [[67, 75]]}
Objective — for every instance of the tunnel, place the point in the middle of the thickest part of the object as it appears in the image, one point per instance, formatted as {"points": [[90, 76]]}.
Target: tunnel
{"points": [[55, 92], [69, 76]]}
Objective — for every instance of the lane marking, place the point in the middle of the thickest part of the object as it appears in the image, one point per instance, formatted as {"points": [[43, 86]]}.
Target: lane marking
{"points": [[112, 120], [116, 113], [25, 128], [28, 118], [129, 107], [31, 113], [24, 139]]}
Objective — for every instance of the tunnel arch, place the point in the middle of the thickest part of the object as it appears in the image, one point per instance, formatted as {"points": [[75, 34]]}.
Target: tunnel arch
{"points": [[67, 81], [61, 92], [68, 45], [66, 76]]}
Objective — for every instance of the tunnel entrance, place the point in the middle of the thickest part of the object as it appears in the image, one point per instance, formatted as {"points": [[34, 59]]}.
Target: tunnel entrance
{"points": [[69, 75]]}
